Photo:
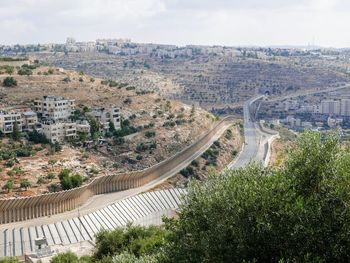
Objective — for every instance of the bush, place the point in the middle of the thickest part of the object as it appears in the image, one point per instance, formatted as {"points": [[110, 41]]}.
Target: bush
{"points": [[136, 240], [24, 183], [9, 163], [68, 182], [150, 134], [9, 82], [67, 257], [25, 71], [24, 151], [187, 172], [9, 260], [195, 163]]}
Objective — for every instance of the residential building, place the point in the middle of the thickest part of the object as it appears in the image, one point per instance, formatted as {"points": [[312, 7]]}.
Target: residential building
{"points": [[330, 107], [30, 121], [83, 127], [105, 116], [345, 107], [59, 131], [55, 107], [8, 118]]}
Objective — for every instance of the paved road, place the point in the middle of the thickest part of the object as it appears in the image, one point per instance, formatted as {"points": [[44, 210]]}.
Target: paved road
{"points": [[252, 138]]}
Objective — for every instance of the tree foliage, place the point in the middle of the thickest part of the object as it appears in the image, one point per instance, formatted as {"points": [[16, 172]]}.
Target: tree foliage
{"points": [[68, 181], [67, 257], [94, 127], [16, 134], [137, 240], [9, 260], [24, 183], [37, 137], [299, 213]]}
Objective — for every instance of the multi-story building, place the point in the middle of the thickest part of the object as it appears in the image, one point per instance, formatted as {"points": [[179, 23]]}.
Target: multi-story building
{"points": [[331, 107], [30, 121], [105, 116], [345, 107], [59, 131], [8, 118], [83, 127], [55, 107]]}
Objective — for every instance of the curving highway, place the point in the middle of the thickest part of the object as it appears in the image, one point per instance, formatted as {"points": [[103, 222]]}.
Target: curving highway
{"points": [[257, 141]]}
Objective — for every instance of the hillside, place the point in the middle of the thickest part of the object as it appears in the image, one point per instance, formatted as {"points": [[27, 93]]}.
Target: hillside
{"points": [[212, 81], [164, 126]]}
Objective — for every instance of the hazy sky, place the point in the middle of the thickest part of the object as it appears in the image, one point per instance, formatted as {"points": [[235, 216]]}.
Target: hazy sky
{"points": [[221, 22]]}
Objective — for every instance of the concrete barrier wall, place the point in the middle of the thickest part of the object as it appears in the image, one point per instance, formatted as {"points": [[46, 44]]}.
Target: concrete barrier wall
{"points": [[24, 208]]}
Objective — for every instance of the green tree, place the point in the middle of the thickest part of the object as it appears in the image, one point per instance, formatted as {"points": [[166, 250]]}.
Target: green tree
{"points": [[66, 183], [9, 185], [9, 260], [76, 180], [24, 183], [299, 213], [94, 127], [16, 134], [37, 137], [67, 257], [9, 82], [111, 127]]}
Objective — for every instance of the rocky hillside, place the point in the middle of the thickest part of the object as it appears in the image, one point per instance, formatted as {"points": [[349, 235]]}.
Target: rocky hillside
{"points": [[163, 126], [212, 81]]}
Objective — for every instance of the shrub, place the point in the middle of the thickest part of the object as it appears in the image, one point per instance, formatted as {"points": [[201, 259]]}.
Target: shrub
{"points": [[137, 240], [9, 260], [25, 71], [9, 82], [67, 257], [24, 183], [150, 134], [9, 163], [187, 172], [195, 163]]}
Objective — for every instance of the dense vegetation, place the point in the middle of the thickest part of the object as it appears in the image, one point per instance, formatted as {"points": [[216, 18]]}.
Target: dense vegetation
{"points": [[69, 181], [299, 213], [123, 245]]}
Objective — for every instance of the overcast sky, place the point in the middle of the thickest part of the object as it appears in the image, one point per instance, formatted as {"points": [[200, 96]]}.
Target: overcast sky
{"points": [[181, 22]]}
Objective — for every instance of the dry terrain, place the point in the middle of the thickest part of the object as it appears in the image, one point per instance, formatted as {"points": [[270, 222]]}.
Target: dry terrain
{"points": [[215, 159], [167, 125], [212, 81]]}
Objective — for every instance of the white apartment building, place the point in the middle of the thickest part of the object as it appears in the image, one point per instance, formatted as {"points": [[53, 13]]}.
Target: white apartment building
{"points": [[30, 121], [104, 116], [83, 127], [8, 120], [345, 107], [59, 131], [55, 107], [331, 107]]}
